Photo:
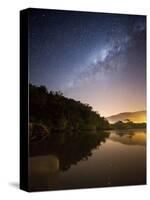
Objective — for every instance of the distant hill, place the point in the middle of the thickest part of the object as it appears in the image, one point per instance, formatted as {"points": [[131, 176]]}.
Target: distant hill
{"points": [[136, 117]]}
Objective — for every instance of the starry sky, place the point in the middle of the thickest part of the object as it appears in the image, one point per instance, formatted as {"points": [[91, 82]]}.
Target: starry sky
{"points": [[96, 58]]}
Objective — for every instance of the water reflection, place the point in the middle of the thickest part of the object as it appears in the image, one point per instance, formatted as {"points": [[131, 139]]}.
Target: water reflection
{"points": [[78, 160], [70, 148], [129, 137], [43, 172]]}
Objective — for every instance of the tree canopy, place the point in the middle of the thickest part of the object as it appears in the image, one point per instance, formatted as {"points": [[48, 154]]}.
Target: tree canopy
{"points": [[57, 112]]}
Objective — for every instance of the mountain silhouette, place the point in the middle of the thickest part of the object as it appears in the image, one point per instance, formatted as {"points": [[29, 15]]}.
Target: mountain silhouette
{"points": [[136, 117]]}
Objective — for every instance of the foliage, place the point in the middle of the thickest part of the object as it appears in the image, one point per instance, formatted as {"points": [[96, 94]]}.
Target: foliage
{"points": [[51, 111], [128, 125], [37, 132], [57, 112]]}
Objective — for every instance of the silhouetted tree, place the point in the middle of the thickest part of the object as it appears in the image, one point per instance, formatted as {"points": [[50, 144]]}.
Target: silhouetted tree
{"points": [[57, 112]]}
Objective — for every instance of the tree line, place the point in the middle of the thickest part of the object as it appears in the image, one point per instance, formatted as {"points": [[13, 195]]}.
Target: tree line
{"points": [[51, 111]]}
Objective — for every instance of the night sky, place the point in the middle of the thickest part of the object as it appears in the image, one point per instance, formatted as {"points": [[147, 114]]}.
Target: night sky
{"points": [[97, 58]]}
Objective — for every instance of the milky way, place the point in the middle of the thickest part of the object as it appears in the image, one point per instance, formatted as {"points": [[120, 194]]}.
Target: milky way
{"points": [[97, 58], [108, 58]]}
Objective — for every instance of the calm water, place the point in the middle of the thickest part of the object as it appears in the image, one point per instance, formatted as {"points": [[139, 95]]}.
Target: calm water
{"points": [[110, 159]]}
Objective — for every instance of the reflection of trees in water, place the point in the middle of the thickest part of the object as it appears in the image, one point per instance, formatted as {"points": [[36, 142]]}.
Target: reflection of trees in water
{"points": [[130, 137], [129, 133], [69, 147]]}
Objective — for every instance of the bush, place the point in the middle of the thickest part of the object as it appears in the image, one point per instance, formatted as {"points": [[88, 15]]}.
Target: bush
{"points": [[37, 132]]}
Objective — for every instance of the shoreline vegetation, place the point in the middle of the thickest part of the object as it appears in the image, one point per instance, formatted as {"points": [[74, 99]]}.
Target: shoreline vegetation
{"points": [[52, 112]]}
